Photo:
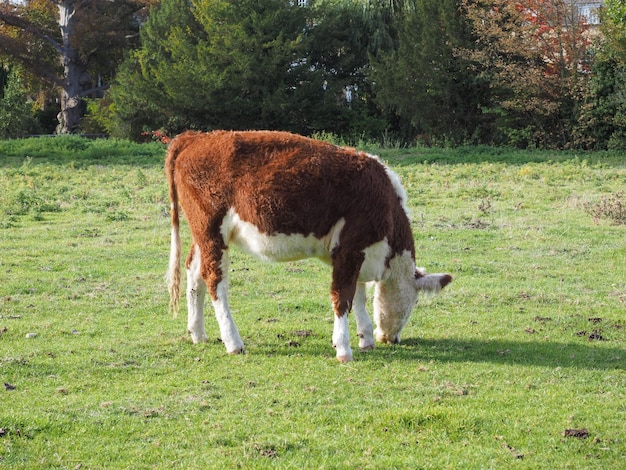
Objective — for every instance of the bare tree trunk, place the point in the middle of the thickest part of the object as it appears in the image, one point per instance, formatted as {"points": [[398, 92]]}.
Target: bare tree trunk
{"points": [[69, 117], [74, 82]]}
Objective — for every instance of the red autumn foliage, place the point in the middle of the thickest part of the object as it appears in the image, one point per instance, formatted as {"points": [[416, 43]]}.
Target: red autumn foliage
{"points": [[535, 55]]}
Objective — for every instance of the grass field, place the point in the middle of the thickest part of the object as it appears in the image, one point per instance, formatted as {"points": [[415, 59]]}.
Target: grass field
{"points": [[519, 363]]}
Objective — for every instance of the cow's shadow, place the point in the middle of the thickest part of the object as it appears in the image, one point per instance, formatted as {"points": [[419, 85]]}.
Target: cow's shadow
{"points": [[592, 355]]}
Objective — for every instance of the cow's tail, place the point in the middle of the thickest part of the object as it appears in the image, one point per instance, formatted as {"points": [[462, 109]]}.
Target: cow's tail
{"points": [[173, 272]]}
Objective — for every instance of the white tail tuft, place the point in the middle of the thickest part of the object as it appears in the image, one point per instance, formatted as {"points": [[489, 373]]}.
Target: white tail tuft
{"points": [[173, 272]]}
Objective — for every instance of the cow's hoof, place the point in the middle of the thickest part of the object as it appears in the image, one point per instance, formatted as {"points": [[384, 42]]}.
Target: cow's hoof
{"points": [[344, 359], [198, 338], [237, 351], [369, 347], [381, 338]]}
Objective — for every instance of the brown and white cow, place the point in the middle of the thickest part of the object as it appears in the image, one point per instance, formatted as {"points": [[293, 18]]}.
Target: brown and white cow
{"points": [[284, 197]]}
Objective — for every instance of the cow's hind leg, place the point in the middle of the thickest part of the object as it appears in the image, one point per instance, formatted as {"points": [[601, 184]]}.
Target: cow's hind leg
{"points": [[196, 290], [364, 328], [216, 277]]}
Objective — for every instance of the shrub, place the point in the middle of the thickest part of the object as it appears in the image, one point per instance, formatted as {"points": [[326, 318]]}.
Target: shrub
{"points": [[612, 207]]}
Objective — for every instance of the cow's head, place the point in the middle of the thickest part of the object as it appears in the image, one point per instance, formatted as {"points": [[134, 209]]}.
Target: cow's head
{"points": [[395, 298]]}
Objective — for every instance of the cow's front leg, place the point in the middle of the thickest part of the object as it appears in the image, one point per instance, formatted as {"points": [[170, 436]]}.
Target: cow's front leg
{"points": [[345, 274], [196, 290], [218, 286], [341, 338], [364, 327]]}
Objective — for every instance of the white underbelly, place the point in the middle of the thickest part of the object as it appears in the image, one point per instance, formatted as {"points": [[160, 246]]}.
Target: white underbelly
{"points": [[282, 247], [278, 247]]}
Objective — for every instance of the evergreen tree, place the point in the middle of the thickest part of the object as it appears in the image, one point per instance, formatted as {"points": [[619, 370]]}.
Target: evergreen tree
{"points": [[243, 64], [16, 112], [216, 64], [603, 120], [424, 82]]}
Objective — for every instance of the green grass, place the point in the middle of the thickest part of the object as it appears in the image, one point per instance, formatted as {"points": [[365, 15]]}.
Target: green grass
{"points": [[528, 341]]}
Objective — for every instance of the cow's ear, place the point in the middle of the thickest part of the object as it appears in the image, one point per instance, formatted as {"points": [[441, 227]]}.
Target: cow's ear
{"points": [[444, 280], [431, 282]]}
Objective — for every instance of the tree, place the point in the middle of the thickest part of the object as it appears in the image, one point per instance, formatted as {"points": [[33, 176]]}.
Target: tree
{"points": [[72, 45], [345, 35], [614, 25], [421, 79], [16, 114], [536, 56], [246, 64], [212, 64], [604, 119]]}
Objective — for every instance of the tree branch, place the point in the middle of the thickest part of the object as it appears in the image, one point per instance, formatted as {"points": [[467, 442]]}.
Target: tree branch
{"points": [[94, 90], [14, 19], [42, 69]]}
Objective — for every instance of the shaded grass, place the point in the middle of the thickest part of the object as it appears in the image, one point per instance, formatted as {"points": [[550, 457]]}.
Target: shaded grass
{"points": [[527, 343]]}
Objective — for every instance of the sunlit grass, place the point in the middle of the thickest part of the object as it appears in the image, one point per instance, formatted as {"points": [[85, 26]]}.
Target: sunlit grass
{"points": [[528, 341]]}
